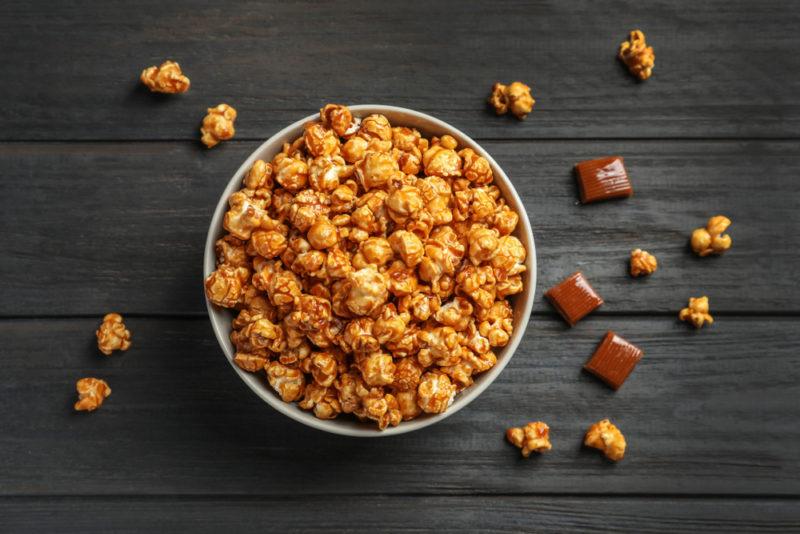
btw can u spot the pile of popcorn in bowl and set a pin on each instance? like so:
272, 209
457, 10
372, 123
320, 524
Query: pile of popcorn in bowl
371, 270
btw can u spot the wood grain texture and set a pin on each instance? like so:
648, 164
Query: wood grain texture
369, 513
91, 227
724, 68
710, 412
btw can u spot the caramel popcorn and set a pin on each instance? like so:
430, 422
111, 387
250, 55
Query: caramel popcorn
370, 268
711, 239
112, 334
218, 125
642, 263
533, 437
697, 313
91, 394
637, 56
605, 436
515, 97
168, 78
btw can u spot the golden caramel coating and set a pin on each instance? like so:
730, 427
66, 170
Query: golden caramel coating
712, 239
225, 286
515, 97
91, 394
642, 263
435, 392
604, 435
218, 125
167, 78
369, 266
339, 119
637, 56
112, 334
250, 362
697, 313
368, 291
533, 437
288, 382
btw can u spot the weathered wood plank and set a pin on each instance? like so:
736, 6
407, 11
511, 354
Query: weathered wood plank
90, 227
724, 68
400, 514
712, 412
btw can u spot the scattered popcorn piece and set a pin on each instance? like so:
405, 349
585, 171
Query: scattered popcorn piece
605, 436
168, 78
533, 437
91, 394
697, 313
711, 240
112, 334
218, 125
637, 56
642, 263
515, 97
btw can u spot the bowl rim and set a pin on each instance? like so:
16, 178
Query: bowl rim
465, 397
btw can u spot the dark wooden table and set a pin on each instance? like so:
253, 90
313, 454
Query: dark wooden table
106, 197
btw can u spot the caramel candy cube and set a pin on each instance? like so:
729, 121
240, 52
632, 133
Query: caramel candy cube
614, 360
602, 179
574, 298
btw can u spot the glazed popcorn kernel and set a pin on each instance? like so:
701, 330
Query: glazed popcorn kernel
91, 394
533, 437
712, 239
168, 78
697, 312
637, 56
605, 436
642, 263
369, 267
515, 97
112, 334
218, 125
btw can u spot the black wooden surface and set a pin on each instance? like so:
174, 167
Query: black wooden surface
106, 197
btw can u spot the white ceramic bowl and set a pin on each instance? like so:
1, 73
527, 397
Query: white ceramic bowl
522, 303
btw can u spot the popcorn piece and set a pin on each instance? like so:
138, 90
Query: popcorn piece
711, 240
339, 119
515, 97
225, 286
291, 173
533, 437
441, 161
322, 400
167, 78
375, 127
475, 168
249, 362
642, 263
637, 56
320, 141
288, 382
218, 125
112, 334
456, 314
484, 244
435, 392
268, 244
377, 369
322, 234
368, 291
497, 323
408, 246
91, 394
697, 313
606, 436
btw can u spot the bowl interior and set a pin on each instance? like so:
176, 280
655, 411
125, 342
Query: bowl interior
522, 303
